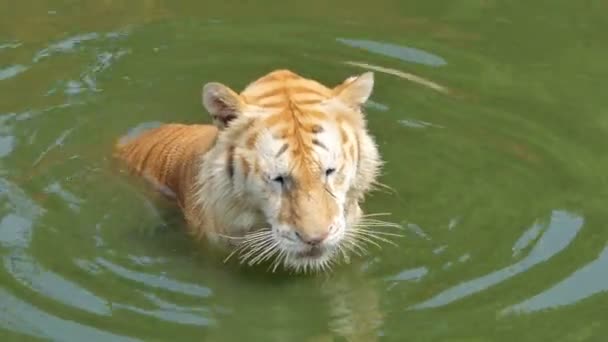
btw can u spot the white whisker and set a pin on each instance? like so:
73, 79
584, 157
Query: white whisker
272, 248
235, 251
359, 229
353, 245
261, 246
277, 260
368, 240
370, 235
341, 250
267, 255
231, 237
378, 223
375, 214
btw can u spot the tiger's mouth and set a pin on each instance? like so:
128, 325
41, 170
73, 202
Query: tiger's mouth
313, 259
266, 245
312, 252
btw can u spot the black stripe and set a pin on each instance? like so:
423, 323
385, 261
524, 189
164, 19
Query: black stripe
230, 162
320, 144
282, 150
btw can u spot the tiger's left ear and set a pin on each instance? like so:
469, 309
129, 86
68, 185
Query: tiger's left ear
355, 90
222, 103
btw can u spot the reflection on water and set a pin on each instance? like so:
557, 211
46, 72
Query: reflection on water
156, 281
15, 231
9, 45
404, 53
584, 283
58, 142
11, 71
414, 274
560, 231
413, 123
68, 197
402, 74
28, 272
16, 226
527, 238
17, 315
170, 312
65, 46
7, 144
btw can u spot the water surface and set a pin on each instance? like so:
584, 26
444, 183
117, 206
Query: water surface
492, 117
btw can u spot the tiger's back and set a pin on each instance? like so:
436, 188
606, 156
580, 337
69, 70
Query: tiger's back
167, 156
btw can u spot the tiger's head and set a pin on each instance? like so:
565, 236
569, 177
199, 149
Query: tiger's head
298, 154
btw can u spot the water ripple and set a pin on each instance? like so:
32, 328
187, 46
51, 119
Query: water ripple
17, 315
526, 239
59, 141
21, 204
15, 231
71, 43
12, 45
404, 53
414, 274
171, 312
561, 230
103, 61
30, 273
401, 74
585, 282
157, 281
11, 71
414, 123
68, 197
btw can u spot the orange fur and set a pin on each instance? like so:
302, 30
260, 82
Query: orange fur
167, 156
225, 177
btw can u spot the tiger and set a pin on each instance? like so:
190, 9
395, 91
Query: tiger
280, 175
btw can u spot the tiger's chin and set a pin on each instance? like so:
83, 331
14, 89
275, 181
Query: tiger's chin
311, 260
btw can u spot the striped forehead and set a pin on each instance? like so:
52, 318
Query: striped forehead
300, 122
306, 141
282, 88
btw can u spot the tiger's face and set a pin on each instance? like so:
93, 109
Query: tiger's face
299, 154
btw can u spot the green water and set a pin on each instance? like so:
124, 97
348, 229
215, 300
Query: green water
497, 159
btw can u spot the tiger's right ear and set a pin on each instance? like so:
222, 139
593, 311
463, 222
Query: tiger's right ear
355, 90
222, 103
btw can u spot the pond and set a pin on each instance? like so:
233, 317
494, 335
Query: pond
492, 118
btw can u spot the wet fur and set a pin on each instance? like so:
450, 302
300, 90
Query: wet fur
208, 168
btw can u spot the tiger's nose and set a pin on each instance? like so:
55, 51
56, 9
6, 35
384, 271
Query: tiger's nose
312, 239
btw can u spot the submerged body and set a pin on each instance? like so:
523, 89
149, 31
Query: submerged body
280, 175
